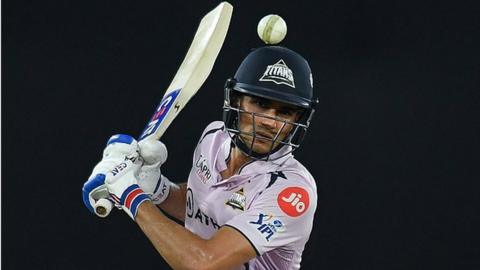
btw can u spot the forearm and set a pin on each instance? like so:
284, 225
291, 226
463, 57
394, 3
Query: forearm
172, 241
174, 205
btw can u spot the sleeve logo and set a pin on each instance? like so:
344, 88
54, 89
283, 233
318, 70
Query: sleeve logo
293, 201
268, 226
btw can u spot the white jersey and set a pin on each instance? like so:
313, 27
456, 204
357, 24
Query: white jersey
272, 203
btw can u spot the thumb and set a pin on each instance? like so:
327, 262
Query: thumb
153, 151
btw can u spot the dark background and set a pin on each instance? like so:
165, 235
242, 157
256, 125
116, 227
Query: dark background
393, 146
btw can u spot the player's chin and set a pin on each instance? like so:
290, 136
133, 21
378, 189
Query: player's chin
262, 146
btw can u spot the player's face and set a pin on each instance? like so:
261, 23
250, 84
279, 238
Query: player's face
271, 118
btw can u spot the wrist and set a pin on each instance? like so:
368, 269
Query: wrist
162, 190
131, 200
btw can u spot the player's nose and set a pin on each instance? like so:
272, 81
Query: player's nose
269, 121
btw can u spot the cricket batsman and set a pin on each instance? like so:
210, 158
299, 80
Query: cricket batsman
247, 203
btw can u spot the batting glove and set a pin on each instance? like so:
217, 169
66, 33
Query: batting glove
122, 184
156, 185
118, 147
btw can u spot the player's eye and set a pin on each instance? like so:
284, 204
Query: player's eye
262, 103
286, 112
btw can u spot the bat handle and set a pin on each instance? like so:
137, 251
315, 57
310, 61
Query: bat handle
103, 207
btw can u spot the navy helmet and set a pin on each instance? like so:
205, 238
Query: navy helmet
275, 73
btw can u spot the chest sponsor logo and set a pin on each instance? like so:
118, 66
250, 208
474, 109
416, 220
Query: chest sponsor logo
293, 201
193, 212
203, 172
279, 73
237, 200
268, 225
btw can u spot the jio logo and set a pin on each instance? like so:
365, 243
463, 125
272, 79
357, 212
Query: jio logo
293, 201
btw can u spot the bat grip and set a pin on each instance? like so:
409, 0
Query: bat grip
103, 207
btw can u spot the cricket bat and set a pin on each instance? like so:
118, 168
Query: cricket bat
194, 70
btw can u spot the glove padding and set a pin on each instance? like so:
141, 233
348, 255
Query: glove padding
122, 184
156, 185
152, 152
118, 147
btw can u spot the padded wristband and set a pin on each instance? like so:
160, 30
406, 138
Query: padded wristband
131, 199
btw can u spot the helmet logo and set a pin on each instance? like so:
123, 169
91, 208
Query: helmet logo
279, 73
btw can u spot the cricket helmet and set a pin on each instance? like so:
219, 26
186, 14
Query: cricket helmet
274, 73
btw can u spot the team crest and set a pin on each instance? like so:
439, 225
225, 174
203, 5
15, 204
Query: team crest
279, 73
237, 200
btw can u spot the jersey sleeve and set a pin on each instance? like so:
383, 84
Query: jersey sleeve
281, 216
211, 128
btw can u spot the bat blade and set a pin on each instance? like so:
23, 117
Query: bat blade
194, 70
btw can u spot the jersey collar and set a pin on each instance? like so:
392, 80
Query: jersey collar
251, 168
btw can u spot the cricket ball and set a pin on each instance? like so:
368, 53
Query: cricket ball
272, 29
